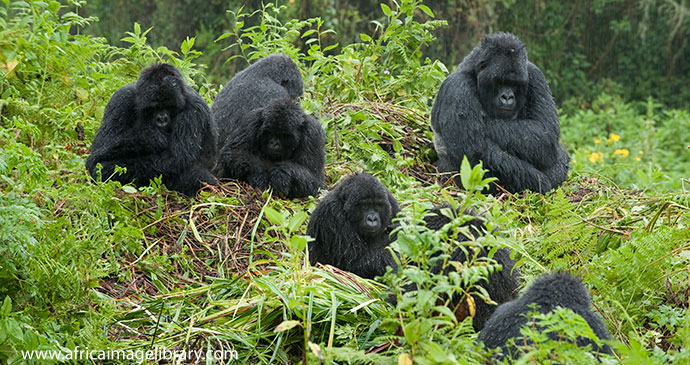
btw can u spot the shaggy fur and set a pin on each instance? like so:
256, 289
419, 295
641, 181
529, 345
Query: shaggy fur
548, 292
266, 138
358, 203
497, 108
351, 229
157, 126
278, 146
272, 77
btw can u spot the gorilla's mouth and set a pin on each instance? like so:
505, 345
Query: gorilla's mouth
505, 112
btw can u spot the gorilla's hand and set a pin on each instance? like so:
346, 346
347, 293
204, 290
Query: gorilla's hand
281, 179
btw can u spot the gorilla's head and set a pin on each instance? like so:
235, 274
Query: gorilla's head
500, 66
160, 95
367, 204
280, 132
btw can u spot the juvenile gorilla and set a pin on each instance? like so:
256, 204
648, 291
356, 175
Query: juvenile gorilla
548, 292
278, 146
351, 228
498, 109
156, 126
266, 138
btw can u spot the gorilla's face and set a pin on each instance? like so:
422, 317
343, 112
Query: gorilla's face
277, 145
502, 79
367, 205
371, 217
160, 96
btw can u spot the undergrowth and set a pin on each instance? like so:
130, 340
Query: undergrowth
105, 266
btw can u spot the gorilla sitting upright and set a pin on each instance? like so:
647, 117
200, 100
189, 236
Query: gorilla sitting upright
157, 126
351, 228
547, 292
497, 108
266, 138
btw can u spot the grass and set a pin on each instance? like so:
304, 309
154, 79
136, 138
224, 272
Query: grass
105, 266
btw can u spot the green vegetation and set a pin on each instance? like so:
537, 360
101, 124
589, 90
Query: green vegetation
105, 266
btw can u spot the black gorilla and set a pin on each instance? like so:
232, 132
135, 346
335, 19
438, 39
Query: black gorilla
278, 146
272, 77
548, 292
267, 139
156, 126
498, 109
351, 229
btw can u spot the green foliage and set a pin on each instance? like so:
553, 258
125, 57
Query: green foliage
634, 144
101, 265
538, 345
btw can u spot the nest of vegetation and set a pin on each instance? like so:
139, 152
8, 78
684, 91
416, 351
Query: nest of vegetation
412, 126
201, 239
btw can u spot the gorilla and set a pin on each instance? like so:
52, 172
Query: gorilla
548, 292
266, 138
351, 228
497, 109
156, 126
278, 146
272, 77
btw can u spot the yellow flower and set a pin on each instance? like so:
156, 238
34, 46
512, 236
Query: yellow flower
596, 156
622, 152
641, 152
614, 138
597, 140
637, 158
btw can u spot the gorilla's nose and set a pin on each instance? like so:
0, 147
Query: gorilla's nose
162, 119
373, 220
507, 98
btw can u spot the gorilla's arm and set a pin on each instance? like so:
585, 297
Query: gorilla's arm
302, 175
372, 262
239, 158
193, 139
123, 142
533, 135
460, 129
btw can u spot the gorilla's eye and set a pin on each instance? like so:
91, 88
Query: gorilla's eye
482, 65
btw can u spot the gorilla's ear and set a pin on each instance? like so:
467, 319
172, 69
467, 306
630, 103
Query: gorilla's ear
395, 208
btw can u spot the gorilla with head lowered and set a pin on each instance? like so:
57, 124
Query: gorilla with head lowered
497, 108
157, 126
547, 292
351, 228
266, 138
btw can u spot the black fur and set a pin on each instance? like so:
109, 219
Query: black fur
497, 108
272, 77
338, 223
268, 140
548, 292
278, 146
336, 226
156, 126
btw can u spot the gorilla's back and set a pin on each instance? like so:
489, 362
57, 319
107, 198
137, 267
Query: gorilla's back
272, 77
